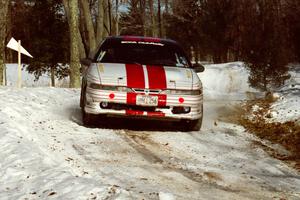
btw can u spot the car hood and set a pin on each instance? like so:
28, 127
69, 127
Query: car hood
143, 76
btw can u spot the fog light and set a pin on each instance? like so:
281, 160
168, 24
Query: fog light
103, 105
181, 110
186, 109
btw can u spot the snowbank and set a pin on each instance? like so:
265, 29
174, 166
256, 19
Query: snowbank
226, 81
229, 81
28, 79
287, 106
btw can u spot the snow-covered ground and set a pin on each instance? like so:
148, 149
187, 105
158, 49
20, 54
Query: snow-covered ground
46, 153
28, 80
287, 107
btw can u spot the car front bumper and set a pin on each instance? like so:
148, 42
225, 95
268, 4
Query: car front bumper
126, 106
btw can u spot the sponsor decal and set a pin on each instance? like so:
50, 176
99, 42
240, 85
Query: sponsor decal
134, 112
128, 42
150, 114
101, 67
155, 114
188, 74
141, 42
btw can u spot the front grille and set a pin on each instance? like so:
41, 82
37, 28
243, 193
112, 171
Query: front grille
119, 106
147, 91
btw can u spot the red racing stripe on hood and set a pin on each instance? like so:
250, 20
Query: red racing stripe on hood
157, 77
135, 76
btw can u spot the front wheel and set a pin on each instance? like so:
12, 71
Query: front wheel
88, 119
192, 125
196, 125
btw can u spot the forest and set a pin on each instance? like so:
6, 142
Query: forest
262, 33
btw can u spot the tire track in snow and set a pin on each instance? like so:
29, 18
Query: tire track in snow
140, 141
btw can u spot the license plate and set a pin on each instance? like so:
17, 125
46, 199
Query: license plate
145, 100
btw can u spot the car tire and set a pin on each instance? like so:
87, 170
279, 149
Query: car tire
87, 119
195, 125
82, 94
192, 125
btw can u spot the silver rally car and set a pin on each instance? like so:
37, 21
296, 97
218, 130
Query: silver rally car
141, 77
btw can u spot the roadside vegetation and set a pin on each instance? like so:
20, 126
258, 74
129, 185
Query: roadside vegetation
262, 33
286, 133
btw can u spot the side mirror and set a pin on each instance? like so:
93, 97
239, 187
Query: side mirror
198, 68
86, 61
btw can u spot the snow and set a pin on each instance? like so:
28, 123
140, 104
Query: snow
46, 153
229, 81
28, 79
286, 108
287, 105
166, 196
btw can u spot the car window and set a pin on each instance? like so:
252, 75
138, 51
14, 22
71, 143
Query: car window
143, 54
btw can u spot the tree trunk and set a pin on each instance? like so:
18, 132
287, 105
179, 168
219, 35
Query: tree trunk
3, 22
89, 25
9, 52
75, 57
106, 20
159, 18
100, 21
153, 20
52, 73
143, 16
167, 6
80, 43
117, 18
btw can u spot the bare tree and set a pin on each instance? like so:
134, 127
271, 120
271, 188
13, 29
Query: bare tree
80, 43
3, 22
153, 19
100, 21
89, 24
159, 18
106, 23
117, 18
74, 57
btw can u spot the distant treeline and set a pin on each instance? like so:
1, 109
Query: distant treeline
262, 33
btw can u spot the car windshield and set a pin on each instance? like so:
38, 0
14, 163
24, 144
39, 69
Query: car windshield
145, 54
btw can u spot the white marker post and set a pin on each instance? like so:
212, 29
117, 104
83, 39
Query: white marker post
14, 45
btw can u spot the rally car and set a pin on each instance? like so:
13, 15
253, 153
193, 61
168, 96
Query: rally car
141, 77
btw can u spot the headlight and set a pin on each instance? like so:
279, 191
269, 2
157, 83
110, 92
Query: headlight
111, 88
182, 92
